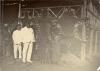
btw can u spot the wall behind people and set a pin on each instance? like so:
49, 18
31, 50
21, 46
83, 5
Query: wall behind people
67, 22
0, 29
9, 17
10, 13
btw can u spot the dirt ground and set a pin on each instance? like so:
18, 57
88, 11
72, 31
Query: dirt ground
71, 64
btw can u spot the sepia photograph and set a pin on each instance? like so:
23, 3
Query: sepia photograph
49, 35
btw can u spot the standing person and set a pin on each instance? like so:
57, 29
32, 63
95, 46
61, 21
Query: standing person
17, 39
28, 39
56, 33
6, 40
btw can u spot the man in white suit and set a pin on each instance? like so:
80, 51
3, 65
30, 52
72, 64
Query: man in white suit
28, 39
17, 39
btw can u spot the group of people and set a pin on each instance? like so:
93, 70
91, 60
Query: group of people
50, 41
23, 38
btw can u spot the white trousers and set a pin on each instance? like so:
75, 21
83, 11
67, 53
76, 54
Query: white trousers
27, 51
17, 51
98, 69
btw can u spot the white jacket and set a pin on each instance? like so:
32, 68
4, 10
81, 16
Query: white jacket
17, 37
27, 35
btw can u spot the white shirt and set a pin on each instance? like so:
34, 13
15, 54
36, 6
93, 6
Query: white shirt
17, 37
27, 35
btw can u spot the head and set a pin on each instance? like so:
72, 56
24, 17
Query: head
28, 25
31, 24
20, 22
19, 27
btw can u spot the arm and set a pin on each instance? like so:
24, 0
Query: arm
32, 35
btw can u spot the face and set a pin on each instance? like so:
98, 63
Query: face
28, 26
18, 27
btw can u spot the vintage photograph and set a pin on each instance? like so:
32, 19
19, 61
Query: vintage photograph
49, 35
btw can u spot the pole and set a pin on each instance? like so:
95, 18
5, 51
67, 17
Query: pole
91, 42
96, 43
19, 13
92, 23
83, 44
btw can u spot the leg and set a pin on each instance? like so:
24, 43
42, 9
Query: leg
25, 47
15, 50
29, 53
20, 51
98, 69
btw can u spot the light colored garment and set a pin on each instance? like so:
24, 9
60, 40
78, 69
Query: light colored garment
27, 51
27, 39
98, 69
17, 48
17, 39
28, 35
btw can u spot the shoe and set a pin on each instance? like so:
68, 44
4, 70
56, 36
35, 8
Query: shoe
20, 58
15, 58
29, 61
24, 61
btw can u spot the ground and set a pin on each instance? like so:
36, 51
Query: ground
71, 64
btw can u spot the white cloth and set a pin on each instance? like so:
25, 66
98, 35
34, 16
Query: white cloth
17, 36
27, 51
28, 35
17, 48
17, 39
98, 69
27, 39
